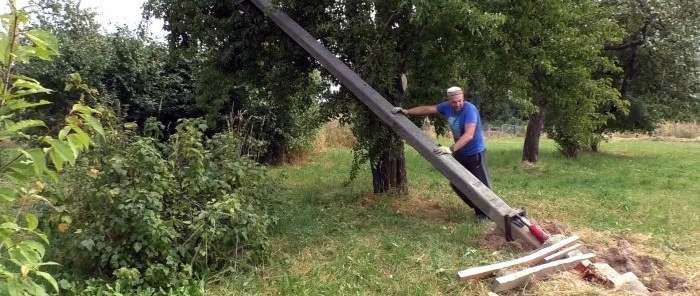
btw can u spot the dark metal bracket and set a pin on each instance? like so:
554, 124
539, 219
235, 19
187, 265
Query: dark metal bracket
513, 217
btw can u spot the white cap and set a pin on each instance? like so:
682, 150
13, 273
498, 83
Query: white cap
455, 90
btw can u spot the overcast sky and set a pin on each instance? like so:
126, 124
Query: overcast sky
115, 13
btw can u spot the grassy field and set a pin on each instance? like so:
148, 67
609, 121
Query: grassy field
636, 203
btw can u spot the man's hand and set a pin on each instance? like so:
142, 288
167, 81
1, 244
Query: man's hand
399, 110
442, 150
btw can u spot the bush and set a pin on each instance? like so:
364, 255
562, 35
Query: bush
170, 212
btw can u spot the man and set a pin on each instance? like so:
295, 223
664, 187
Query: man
469, 148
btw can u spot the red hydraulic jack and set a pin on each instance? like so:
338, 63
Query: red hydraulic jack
519, 219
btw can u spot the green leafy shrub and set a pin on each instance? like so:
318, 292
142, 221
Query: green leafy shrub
28, 156
173, 211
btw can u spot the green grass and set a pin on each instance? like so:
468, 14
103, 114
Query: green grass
340, 239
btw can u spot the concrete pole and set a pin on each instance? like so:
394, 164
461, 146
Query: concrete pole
477, 192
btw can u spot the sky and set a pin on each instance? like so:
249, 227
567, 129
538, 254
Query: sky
112, 14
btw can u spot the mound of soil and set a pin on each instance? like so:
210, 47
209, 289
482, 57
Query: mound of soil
621, 255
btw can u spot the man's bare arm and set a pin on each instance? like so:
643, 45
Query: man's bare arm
468, 135
422, 110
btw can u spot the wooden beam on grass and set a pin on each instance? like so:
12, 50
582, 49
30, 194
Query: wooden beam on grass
524, 276
534, 258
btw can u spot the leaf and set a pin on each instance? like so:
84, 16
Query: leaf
88, 244
83, 137
32, 221
56, 159
9, 226
137, 246
22, 104
38, 158
64, 132
45, 43
24, 86
75, 143
131, 125
27, 252
63, 150
49, 278
80, 108
24, 124
94, 123
7, 194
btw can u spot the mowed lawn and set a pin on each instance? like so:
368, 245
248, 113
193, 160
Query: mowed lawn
637, 199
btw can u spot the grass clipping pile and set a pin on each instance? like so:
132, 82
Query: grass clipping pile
617, 251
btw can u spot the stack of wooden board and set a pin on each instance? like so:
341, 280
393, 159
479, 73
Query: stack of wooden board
560, 256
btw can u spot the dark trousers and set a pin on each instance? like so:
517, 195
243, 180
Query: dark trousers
475, 164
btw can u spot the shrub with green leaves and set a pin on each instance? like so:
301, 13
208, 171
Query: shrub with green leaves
173, 212
29, 157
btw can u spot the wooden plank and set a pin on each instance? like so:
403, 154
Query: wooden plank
478, 193
524, 276
562, 253
534, 258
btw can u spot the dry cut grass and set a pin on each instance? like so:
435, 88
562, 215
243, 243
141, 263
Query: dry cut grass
688, 130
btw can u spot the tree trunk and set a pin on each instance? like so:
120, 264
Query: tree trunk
531, 148
630, 73
389, 173
595, 141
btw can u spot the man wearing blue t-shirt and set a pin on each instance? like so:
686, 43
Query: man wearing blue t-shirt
469, 148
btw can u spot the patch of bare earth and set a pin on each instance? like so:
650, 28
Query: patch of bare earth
495, 240
657, 275
624, 253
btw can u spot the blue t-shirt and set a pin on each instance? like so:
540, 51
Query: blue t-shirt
457, 121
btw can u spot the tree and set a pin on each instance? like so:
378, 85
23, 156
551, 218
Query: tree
141, 79
550, 52
132, 73
244, 65
660, 60
391, 44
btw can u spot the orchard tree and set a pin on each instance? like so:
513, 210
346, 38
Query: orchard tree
550, 54
141, 80
410, 52
246, 67
661, 61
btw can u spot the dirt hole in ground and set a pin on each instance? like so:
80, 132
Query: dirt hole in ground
619, 252
653, 272
495, 240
